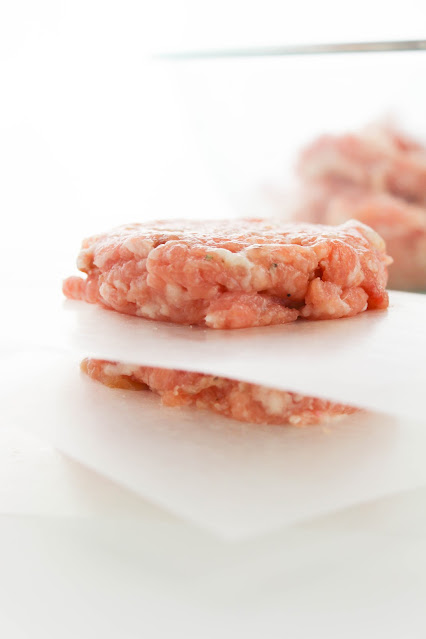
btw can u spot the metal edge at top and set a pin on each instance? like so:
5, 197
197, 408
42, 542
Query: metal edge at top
298, 49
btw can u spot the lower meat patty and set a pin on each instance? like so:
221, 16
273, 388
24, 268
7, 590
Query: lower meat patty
242, 401
234, 274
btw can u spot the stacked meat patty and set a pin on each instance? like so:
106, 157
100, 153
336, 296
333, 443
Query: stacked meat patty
226, 275
235, 274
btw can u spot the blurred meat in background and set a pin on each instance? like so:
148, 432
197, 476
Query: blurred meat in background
377, 176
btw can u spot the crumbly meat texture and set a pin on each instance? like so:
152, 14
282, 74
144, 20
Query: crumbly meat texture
379, 178
379, 159
234, 274
241, 401
402, 226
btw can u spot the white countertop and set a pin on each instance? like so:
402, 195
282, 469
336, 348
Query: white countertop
82, 557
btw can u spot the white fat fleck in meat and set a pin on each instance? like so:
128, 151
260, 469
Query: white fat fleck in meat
335, 305
175, 294
120, 369
102, 257
372, 266
138, 247
273, 401
148, 310
84, 260
237, 260
164, 309
355, 277
106, 290
119, 285
215, 320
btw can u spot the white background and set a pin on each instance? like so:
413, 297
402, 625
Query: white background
93, 133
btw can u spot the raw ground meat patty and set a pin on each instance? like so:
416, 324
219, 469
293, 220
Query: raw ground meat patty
234, 274
379, 178
239, 400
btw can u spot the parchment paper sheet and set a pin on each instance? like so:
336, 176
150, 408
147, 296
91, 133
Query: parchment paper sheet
234, 479
376, 360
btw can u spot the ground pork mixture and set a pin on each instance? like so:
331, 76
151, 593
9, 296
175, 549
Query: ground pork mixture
234, 274
245, 402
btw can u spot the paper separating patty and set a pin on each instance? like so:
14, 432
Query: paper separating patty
374, 361
236, 480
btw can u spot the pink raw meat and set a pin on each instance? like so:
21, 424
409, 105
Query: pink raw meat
234, 274
402, 225
379, 159
379, 178
239, 400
